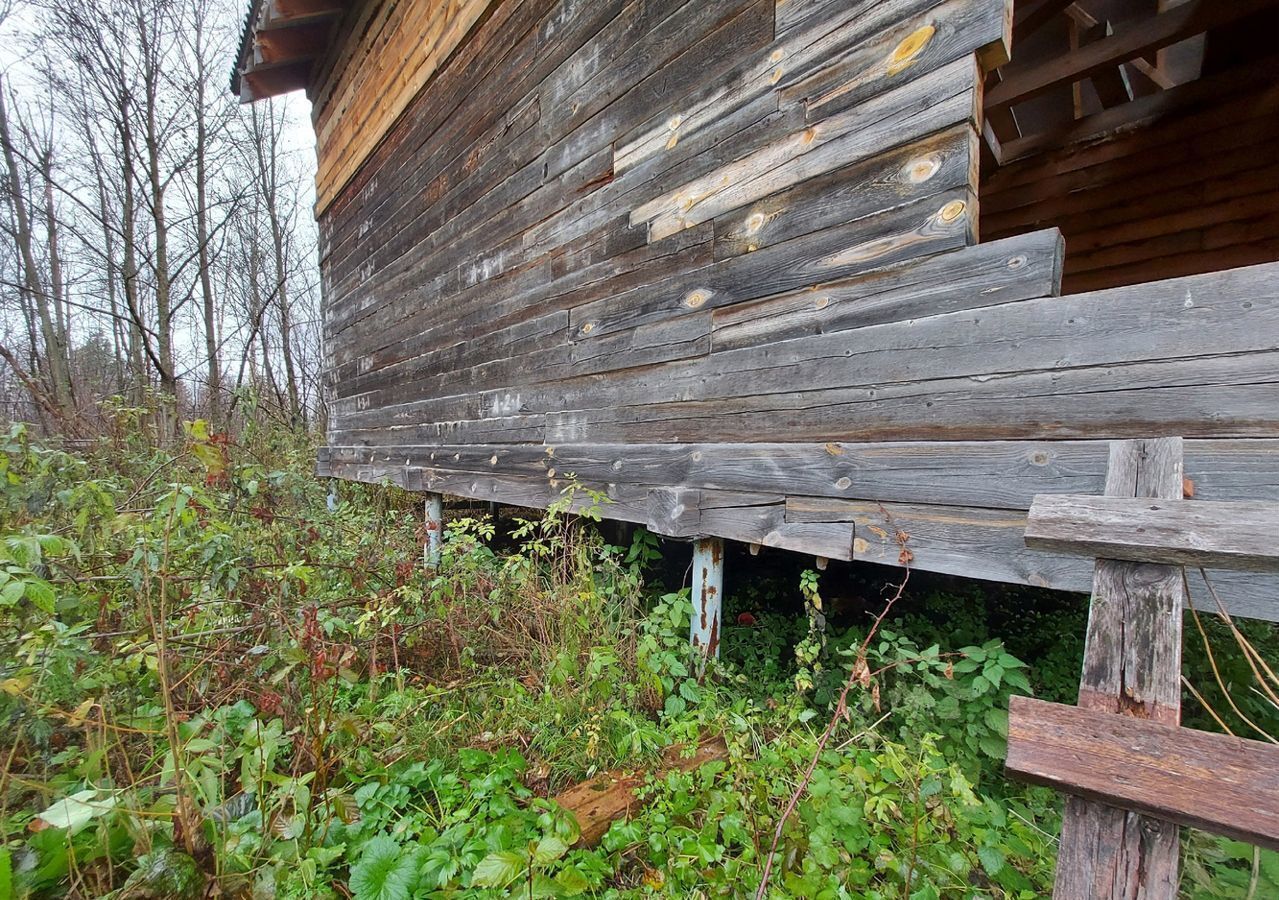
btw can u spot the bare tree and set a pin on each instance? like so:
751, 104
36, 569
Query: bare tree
159, 241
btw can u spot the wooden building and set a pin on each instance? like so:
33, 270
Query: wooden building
800, 273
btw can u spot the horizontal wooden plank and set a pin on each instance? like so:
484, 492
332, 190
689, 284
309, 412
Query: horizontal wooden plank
1229, 535
766, 73
988, 544
1227, 396
932, 225
963, 538
1214, 782
996, 474
746, 517
909, 48
945, 97
1179, 320
1018, 268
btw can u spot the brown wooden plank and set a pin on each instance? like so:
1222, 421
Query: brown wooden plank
1214, 782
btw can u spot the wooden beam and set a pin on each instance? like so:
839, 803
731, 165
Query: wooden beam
296, 9
1030, 17
1132, 667
1215, 782
1111, 85
271, 81
278, 45
1145, 110
280, 11
600, 801
1132, 40
1239, 535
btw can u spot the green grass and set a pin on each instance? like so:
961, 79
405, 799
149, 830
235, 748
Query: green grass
207, 677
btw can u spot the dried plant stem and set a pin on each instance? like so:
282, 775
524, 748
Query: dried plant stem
857, 675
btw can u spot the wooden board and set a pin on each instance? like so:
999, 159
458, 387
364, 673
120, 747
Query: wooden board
394, 55
1214, 782
1240, 535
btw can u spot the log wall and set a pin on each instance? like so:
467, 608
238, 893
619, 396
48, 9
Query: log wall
717, 261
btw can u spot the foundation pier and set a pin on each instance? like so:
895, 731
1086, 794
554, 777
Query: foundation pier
434, 529
708, 589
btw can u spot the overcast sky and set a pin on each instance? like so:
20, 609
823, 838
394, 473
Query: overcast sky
15, 40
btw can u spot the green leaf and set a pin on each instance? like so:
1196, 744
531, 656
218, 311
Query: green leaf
499, 869
1269, 867
12, 592
993, 746
689, 690
569, 879
41, 594
6, 875
384, 872
991, 860
549, 849
997, 721
76, 811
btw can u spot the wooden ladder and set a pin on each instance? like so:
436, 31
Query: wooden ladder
1131, 773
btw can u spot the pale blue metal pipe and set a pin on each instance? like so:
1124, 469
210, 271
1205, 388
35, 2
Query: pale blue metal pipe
708, 589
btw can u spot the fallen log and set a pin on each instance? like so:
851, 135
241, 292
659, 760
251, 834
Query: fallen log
600, 801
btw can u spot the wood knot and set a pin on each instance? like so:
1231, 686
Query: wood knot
920, 170
952, 211
696, 299
905, 53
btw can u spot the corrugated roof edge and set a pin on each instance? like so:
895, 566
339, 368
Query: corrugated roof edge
246, 42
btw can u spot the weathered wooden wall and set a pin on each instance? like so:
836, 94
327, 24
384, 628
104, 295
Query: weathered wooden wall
1196, 191
718, 259
390, 50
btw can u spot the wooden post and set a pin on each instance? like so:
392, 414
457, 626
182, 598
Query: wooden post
708, 584
434, 529
1132, 667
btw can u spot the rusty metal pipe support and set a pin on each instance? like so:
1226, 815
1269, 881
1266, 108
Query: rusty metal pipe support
708, 589
434, 529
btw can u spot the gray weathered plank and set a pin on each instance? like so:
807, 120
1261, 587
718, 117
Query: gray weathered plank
939, 99
1018, 268
1229, 535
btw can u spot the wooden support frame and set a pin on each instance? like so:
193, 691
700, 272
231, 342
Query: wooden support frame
1133, 775
1127, 42
1132, 667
